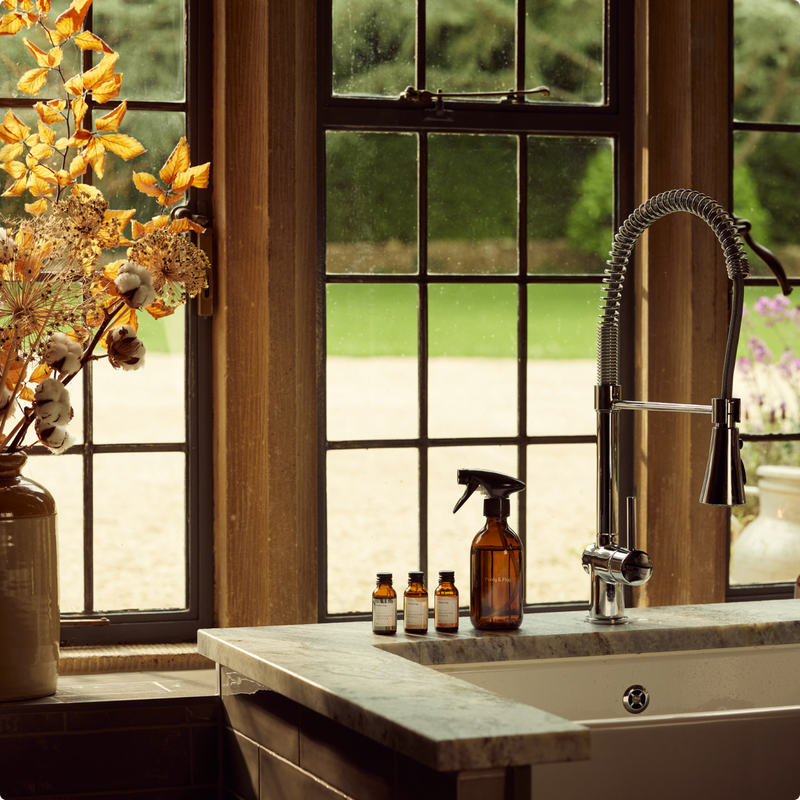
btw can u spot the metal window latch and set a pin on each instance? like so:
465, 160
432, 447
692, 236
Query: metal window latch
425, 98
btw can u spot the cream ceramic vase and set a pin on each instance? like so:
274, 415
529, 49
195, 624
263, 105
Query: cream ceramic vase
768, 549
29, 616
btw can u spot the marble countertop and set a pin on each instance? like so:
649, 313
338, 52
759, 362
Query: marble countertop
381, 686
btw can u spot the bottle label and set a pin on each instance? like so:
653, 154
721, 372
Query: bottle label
416, 613
384, 613
446, 610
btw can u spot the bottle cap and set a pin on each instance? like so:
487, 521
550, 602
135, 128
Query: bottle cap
384, 577
447, 575
415, 577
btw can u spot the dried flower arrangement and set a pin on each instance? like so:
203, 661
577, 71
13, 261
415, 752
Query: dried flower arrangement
58, 302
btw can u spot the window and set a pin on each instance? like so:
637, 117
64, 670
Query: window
766, 171
133, 493
464, 245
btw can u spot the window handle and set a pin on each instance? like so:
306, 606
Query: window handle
424, 97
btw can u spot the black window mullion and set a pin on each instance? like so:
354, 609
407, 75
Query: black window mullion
422, 339
522, 331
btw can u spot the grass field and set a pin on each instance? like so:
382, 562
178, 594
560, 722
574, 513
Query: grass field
464, 320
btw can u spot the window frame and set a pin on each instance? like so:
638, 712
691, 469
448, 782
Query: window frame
90, 627
613, 119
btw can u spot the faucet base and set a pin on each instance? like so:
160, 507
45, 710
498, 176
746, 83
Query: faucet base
607, 620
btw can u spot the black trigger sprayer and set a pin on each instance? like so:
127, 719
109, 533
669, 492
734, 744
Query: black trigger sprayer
496, 555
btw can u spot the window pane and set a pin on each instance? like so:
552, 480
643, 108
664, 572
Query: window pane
560, 477
562, 338
63, 477
373, 46
767, 379
373, 523
472, 368
766, 61
451, 534
147, 404
150, 41
372, 365
570, 204
140, 531
472, 201
371, 216
470, 46
765, 180
563, 55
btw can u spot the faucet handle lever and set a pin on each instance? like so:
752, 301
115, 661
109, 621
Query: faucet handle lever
630, 539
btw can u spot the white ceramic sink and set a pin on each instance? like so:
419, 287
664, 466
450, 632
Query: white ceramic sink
719, 723
685, 682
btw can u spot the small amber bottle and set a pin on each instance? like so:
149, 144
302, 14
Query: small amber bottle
445, 603
384, 606
415, 605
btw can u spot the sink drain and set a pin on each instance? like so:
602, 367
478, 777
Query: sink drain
636, 699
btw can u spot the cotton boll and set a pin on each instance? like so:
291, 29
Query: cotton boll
5, 398
135, 285
62, 353
125, 350
54, 437
51, 402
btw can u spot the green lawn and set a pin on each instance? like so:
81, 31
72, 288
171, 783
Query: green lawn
464, 320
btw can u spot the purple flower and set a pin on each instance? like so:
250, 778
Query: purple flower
761, 353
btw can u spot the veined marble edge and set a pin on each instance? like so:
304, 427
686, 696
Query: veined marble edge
659, 629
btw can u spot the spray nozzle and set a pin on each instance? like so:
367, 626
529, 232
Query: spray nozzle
495, 486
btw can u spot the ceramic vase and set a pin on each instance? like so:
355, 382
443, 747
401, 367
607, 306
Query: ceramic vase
29, 615
768, 549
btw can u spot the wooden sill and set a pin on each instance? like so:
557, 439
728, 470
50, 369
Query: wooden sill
130, 658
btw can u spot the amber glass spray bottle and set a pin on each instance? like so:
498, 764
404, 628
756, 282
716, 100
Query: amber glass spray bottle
496, 556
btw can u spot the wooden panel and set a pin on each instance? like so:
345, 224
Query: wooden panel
264, 334
681, 287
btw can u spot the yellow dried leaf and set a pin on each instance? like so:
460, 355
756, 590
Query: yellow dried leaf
64, 178
75, 85
37, 208
79, 109
10, 24
14, 168
169, 199
112, 120
86, 188
32, 140
182, 182
78, 166
122, 145
123, 217
47, 135
79, 139
200, 175
88, 41
37, 186
27, 395
177, 162
45, 173
16, 188
146, 183
33, 80
96, 156
41, 57
9, 4
42, 371
41, 151
47, 114
9, 152
108, 90
12, 129
161, 221
69, 23
185, 225
102, 72
138, 230
159, 309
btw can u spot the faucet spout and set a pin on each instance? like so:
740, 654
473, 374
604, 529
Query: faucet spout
724, 480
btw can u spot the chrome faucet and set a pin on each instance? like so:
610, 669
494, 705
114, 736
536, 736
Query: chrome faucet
611, 566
